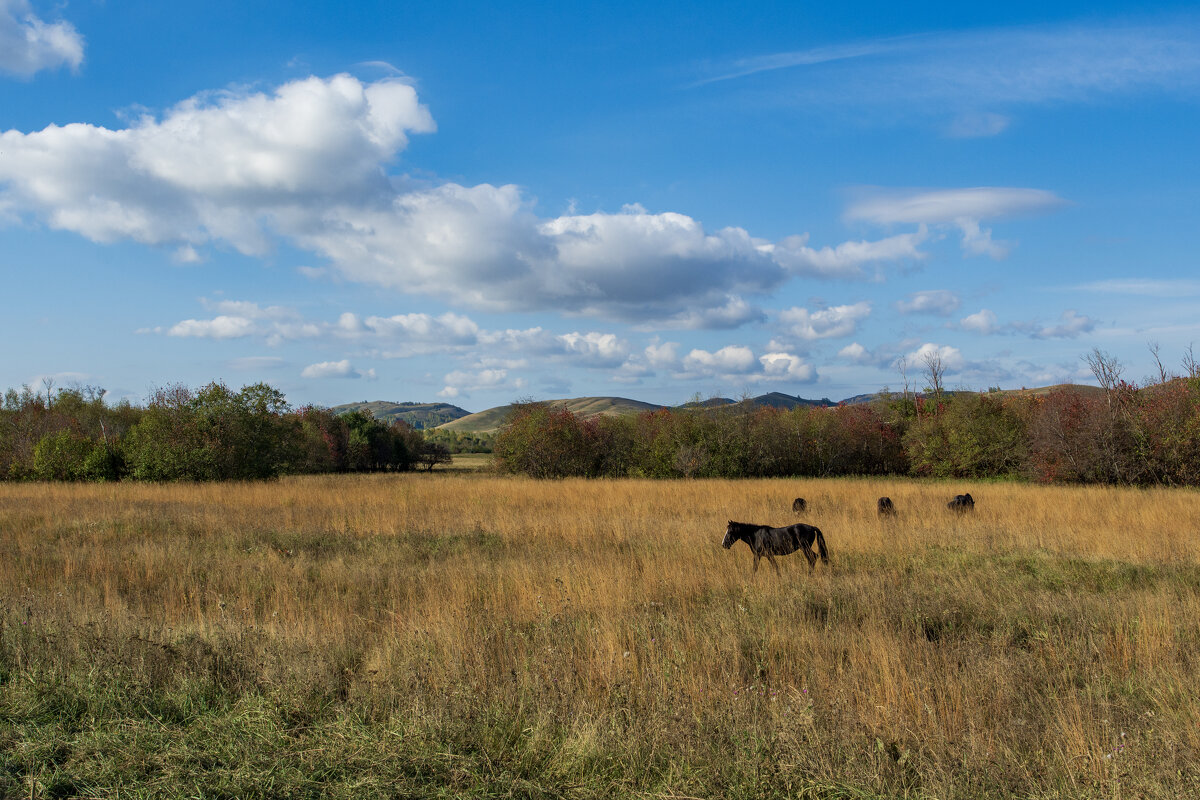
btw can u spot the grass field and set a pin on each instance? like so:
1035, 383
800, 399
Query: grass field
469, 462
461, 634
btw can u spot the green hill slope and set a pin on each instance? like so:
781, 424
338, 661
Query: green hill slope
493, 418
490, 420
786, 401
419, 415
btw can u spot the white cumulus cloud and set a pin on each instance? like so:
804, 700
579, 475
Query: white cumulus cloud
225, 166
335, 369
595, 349
307, 163
1069, 326
729, 360
223, 326
29, 44
855, 352
827, 323
460, 382
982, 321
788, 366
661, 355
846, 259
952, 357
735, 313
941, 302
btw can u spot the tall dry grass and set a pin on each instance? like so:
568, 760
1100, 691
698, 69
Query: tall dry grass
596, 632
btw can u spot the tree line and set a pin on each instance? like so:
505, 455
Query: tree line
1121, 434
210, 433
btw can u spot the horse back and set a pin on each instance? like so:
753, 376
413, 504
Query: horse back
785, 541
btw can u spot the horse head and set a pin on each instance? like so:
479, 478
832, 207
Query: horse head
730, 537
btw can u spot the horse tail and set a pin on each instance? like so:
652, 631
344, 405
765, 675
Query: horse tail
821, 546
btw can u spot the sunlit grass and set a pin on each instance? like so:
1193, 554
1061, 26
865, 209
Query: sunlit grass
592, 638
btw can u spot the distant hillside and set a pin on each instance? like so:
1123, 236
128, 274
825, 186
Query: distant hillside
1078, 387
493, 418
712, 402
786, 401
419, 415
490, 420
864, 398
1039, 390
772, 399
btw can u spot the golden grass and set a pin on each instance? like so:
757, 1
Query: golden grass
1049, 642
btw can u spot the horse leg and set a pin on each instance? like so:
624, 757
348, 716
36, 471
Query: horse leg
774, 563
811, 556
756, 558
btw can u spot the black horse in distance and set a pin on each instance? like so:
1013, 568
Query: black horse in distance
770, 542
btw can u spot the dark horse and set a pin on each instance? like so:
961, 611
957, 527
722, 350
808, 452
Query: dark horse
886, 507
962, 503
770, 542
799, 506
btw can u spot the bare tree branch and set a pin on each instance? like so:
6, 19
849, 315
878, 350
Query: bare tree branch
902, 366
934, 372
1105, 367
1189, 362
1162, 371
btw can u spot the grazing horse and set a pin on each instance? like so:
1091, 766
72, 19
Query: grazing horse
770, 542
799, 506
886, 507
962, 503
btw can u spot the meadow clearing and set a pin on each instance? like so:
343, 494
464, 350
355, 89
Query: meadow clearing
462, 634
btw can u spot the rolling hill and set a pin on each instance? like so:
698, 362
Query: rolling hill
1082, 388
1035, 391
493, 418
419, 415
453, 418
786, 401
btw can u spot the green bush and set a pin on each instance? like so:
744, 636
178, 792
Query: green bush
972, 436
61, 456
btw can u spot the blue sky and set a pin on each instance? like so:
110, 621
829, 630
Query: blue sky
479, 202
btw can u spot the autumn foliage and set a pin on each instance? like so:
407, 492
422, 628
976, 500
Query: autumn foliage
1124, 436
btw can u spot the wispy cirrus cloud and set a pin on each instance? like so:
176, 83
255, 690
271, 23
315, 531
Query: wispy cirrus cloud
257, 363
977, 125
942, 206
740, 68
1144, 287
1063, 62
961, 208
